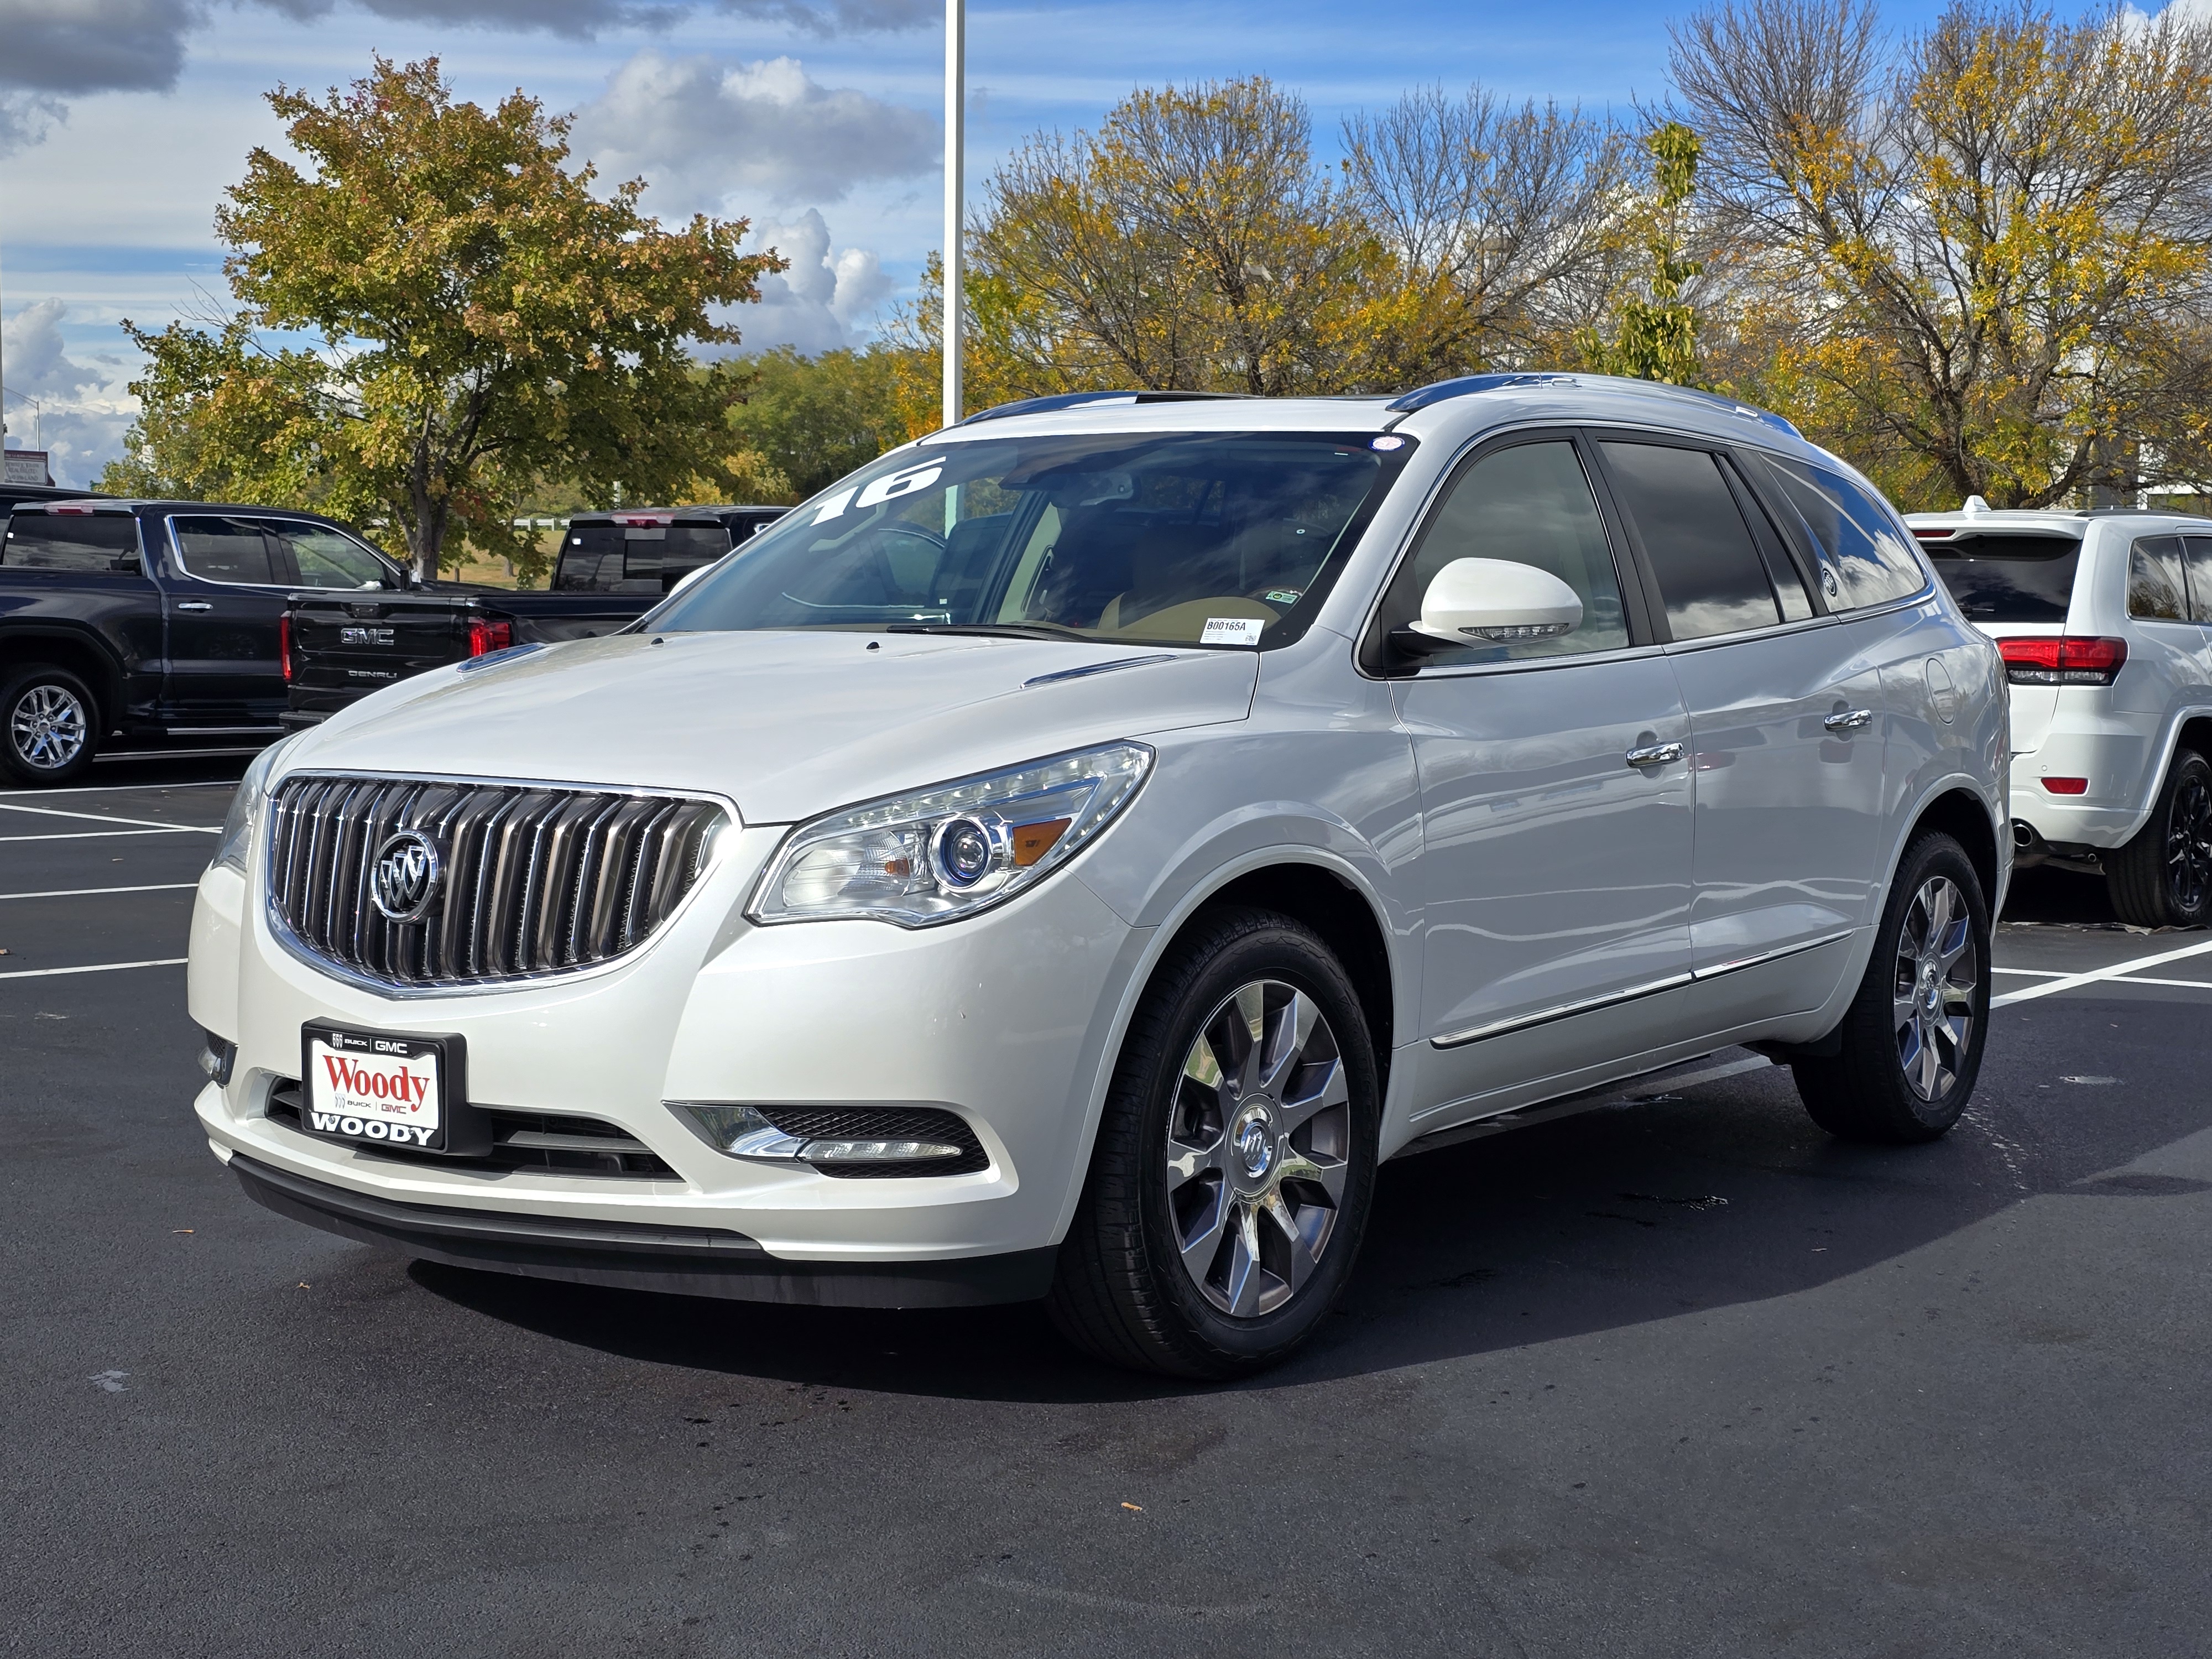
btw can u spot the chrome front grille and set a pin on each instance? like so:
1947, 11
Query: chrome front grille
531, 881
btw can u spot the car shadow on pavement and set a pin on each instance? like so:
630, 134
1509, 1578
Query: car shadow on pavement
1623, 1216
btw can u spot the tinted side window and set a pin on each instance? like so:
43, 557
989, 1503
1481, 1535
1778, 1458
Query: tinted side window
1870, 560
1527, 505
227, 550
1711, 579
104, 542
2157, 591
2199, 548
324, 558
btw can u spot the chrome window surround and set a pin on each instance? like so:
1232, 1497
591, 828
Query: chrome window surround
176, 552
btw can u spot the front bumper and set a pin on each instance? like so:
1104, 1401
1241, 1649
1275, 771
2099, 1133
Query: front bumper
640, 1256
1007, 1018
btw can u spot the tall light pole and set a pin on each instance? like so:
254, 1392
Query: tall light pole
956, 117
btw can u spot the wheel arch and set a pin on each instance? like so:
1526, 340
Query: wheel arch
63, 647
1962, 813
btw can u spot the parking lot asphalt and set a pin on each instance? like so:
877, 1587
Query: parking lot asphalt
1679, 1376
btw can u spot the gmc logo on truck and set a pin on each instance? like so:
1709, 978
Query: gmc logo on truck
364, 636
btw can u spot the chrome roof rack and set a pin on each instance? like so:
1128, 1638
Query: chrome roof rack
1468, 384
1088, 399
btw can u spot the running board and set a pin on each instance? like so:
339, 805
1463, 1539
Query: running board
1621, 1091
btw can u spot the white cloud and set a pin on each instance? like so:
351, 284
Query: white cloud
583, 19
823, 301
713, 134
81, 408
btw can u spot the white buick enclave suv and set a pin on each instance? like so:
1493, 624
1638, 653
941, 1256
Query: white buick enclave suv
2105, 622
1064, 858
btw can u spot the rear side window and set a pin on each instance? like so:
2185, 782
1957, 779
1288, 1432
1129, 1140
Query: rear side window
104, 542
2197, 550
223, 549
1864, 559
2009, 579
324, 558
1711, 577
2157, 591
650, 558
1527, 505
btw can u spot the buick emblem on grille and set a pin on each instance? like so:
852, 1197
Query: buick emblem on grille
405, 877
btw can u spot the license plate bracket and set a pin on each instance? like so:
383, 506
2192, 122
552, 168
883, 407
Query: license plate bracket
389, 1090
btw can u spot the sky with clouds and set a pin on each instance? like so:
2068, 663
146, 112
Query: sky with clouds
122, 121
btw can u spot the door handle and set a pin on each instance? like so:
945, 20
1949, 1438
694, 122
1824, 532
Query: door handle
194, 604
1849, 719
1655, 754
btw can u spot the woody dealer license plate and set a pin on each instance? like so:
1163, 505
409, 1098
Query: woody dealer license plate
367, 1087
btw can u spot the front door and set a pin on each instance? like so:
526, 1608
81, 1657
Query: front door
1786, 722
1554, 874
228, 586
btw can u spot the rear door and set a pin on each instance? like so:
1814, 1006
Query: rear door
1785, 724
82, 570
228, 586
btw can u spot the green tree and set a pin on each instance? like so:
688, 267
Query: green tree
456, 315
1654, 329
809, 420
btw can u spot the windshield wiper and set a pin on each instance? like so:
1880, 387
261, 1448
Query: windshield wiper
1035, 630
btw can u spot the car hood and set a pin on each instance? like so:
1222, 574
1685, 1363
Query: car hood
787, 725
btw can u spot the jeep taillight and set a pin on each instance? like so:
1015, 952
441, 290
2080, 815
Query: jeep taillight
490, 634
284, 645
2062, 659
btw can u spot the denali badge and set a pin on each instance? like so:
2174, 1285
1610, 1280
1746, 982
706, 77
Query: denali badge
405, 879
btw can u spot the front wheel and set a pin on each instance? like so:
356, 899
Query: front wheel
2163, 877
1235, 1163
1912, 1044
49, 726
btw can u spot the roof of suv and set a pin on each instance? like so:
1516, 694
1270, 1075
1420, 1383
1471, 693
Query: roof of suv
2070, 523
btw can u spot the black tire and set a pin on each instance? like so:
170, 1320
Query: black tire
1122, 1292
2163, 877
50, 725
1898, 1078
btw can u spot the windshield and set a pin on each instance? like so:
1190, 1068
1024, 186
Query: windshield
2009, 579
1212, 538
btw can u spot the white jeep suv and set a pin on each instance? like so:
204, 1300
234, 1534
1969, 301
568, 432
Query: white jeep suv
2104, 620
1065, 857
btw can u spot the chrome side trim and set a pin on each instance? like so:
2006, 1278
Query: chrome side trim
1591, 1005
1742, 962
1564, 1011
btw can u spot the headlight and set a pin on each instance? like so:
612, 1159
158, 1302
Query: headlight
950, 851
233, 847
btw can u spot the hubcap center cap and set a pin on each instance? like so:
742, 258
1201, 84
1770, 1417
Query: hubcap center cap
1255, 1142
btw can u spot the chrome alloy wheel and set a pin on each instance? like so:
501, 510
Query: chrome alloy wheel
47, 727
1258, 1138
1938, 972
2189, 844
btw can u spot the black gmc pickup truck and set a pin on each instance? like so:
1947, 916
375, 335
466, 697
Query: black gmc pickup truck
613, 567
155, 622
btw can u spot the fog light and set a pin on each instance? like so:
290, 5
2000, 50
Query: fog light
217, 1058
741, 1131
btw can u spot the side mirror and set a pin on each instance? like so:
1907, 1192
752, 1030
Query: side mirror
1495, 602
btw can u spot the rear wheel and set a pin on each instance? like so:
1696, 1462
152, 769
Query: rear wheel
1912, 1044
49, 724
1234, 1164
2163, 877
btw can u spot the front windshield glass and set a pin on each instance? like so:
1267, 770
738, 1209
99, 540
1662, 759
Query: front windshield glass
1211, 538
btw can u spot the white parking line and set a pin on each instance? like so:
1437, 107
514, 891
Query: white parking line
2099, 976
106, 835
2178, 984
2033, 972
96, 967
104, 817
124, 788
88, 892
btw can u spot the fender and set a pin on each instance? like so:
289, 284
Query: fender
1163, 933
2154, 777
109, 673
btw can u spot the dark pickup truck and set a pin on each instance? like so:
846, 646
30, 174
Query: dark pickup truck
613, 567
153, 621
